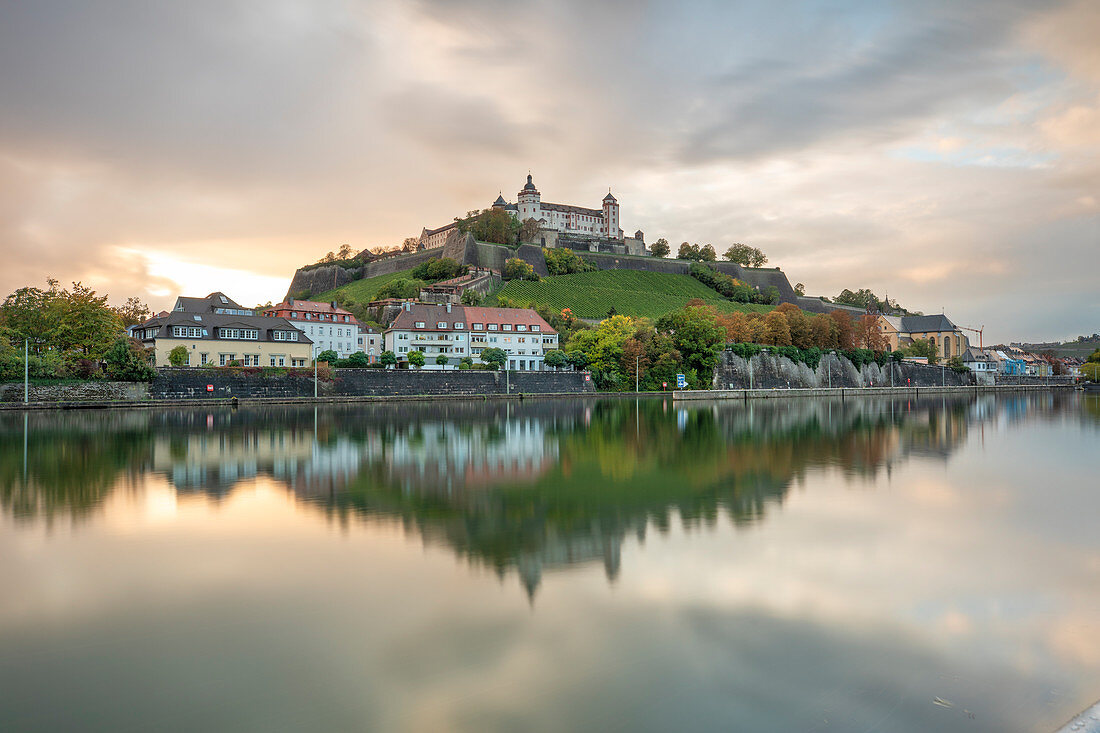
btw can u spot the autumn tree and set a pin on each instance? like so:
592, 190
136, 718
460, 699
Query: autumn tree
133, 312
411, 244
868, 334
801, 335
844, 331
777, 331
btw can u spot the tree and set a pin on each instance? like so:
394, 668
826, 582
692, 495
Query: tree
436, 269
801, 335
471, 297
1090, 370
388, 359
358, 360
494, 357
660, 248
528, 230
133, 312
517, 269
1094, 357
416, 358
328, 355
862, 298
411, 244
799, 289
923, 348
466, 363
707, 253
564, 261
688, 252
844, 333
777, 331
491, 225
178, 356
577, 359
868, 335
746, 256
696, 335
127, 361
554, 358
442, 360
344, 253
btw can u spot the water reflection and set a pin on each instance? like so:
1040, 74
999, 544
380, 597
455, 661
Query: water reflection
518, 487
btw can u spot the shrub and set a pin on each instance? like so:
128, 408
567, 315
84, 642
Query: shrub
358, 360
495, 358
416, 359
177, 357
388, 358
517, 269
128, 361
401, 288
466, 363
563, 261
329, 356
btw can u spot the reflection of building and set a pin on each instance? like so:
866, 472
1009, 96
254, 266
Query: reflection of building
444, 456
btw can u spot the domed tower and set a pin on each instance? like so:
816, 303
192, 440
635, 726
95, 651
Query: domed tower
530, 201
500, 203
611, 216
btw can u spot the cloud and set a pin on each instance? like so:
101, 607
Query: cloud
855, 143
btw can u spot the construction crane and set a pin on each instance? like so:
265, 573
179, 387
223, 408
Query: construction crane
978, 331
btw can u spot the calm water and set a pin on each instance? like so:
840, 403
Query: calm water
872, 565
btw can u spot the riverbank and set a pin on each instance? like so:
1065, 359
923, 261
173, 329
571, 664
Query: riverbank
677, 395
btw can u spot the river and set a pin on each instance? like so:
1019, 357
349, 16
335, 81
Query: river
870, 564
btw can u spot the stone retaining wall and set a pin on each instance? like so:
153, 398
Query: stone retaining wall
82, 392
193, 383
771, 372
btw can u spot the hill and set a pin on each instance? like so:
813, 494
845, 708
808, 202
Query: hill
630, 292
363, 291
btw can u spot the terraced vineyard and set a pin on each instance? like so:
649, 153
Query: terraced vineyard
629, 292
363, 291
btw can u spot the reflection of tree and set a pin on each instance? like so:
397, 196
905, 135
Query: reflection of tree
72, 464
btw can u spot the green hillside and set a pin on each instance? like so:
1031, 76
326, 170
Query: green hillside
629, 292
363, 291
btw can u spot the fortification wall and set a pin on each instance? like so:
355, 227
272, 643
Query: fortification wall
192, 384
321, 279
83, 391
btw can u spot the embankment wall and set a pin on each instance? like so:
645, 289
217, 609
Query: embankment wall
768, 371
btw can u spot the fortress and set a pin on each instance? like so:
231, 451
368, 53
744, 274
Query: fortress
560, 225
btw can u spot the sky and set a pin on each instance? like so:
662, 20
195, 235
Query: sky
944, 152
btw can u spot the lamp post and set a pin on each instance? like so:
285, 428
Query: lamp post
26, 371
637, 357
314, 376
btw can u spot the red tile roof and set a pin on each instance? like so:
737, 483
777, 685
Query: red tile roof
432, 315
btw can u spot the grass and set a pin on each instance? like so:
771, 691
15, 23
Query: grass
363, 291
629, 292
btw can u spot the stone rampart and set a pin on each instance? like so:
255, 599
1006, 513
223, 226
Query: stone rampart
1025, 381
768, 371
79, 392
194, 383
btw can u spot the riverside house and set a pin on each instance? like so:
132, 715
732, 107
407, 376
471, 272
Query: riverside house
465, 331
329, 327
219, 331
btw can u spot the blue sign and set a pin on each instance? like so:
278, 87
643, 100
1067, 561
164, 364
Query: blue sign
681, 381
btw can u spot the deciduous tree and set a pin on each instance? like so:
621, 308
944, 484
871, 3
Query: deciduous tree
660, 248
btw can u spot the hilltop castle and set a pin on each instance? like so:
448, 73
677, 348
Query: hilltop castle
566, 225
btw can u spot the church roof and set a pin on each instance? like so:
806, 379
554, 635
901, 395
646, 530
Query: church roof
926, 324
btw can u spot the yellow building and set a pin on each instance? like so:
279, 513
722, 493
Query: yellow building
216, 330
900, 331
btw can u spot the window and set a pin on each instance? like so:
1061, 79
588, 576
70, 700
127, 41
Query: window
224, 359
278, 360
521, 328
534, 328
204, 358
493, 327
460, 324
507, 326
479, 326
441, 324
293, 314
284, 336
419, 324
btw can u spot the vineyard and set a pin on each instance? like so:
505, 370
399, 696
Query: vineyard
363, 291
629, 292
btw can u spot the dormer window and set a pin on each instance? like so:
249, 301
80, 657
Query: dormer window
223, 299
507, 326
521, 328
534, 328
419, 324
441, 324
493, 327
479, 326
460, 324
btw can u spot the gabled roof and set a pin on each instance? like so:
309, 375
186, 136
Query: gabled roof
500, 201
212, 321
431, 315
609, 197
515, 316
926, 324
217, 299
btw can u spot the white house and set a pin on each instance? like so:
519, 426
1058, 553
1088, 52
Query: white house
330, 327
465, 331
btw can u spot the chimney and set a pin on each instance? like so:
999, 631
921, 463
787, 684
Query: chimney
334, 305
408, 306
448, 306
290, 302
